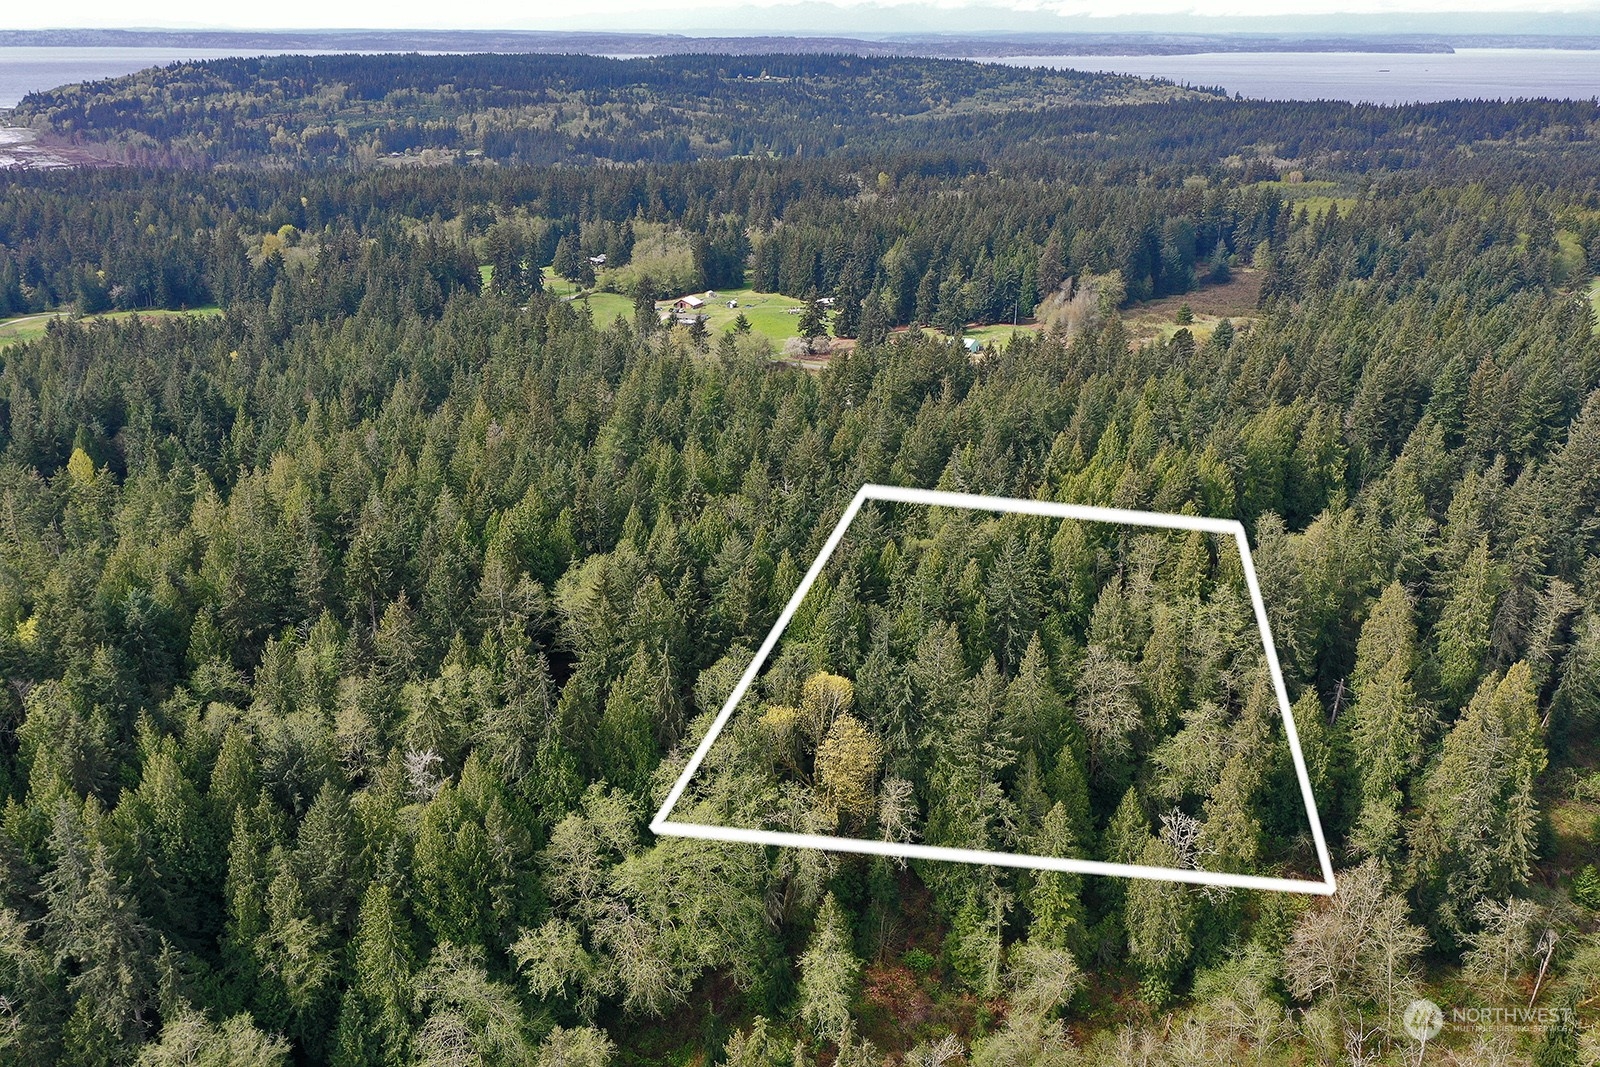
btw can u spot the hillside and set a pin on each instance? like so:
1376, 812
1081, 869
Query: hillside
541, 109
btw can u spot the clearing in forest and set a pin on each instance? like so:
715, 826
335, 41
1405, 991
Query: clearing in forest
1019, 683
29, 327
1236, 300
772, 315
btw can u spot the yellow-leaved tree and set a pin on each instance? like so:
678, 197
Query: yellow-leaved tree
847, 769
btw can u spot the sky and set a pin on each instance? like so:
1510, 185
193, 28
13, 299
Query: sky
752, 16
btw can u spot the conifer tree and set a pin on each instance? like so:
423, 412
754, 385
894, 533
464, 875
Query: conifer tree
31, 986
1476, 832
829, 974
874, 328
297, 963
244, 891
1055, 897
167, 819
1462, 634
235, 777
629, 723
104, 946
971, 753
568, 261
1014, 601
1160, 920
325, 855
1033, 713
375, 1017
814, 319
1388, 724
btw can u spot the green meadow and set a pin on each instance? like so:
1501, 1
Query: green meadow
773, 315
28, 327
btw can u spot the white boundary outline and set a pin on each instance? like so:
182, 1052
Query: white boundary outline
1048, 509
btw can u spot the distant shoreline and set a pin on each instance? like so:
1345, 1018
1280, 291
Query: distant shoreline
947, 46
22, 148
1357, 77
1360, 77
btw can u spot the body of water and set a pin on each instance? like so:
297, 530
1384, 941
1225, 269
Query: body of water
1364, 77
29, 70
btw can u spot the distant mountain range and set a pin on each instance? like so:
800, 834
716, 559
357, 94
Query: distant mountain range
783, 32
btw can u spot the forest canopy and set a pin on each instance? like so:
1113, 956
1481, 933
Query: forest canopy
1014, 684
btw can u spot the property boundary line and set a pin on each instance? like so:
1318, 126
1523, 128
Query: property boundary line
661, 825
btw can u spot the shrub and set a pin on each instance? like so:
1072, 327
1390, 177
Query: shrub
919, 960
1586, 887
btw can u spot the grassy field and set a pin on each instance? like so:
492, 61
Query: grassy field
28, 327
772, 315
1314, 196
606, 307
553, 283
999, 334
1571, 264
777, 317
1210, 304
1594, 302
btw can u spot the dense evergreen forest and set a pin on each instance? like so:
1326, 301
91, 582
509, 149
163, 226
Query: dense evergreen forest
310, 111
546, 109
351, 636
869, 701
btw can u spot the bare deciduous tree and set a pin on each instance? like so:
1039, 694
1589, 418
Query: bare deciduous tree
1358, 950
